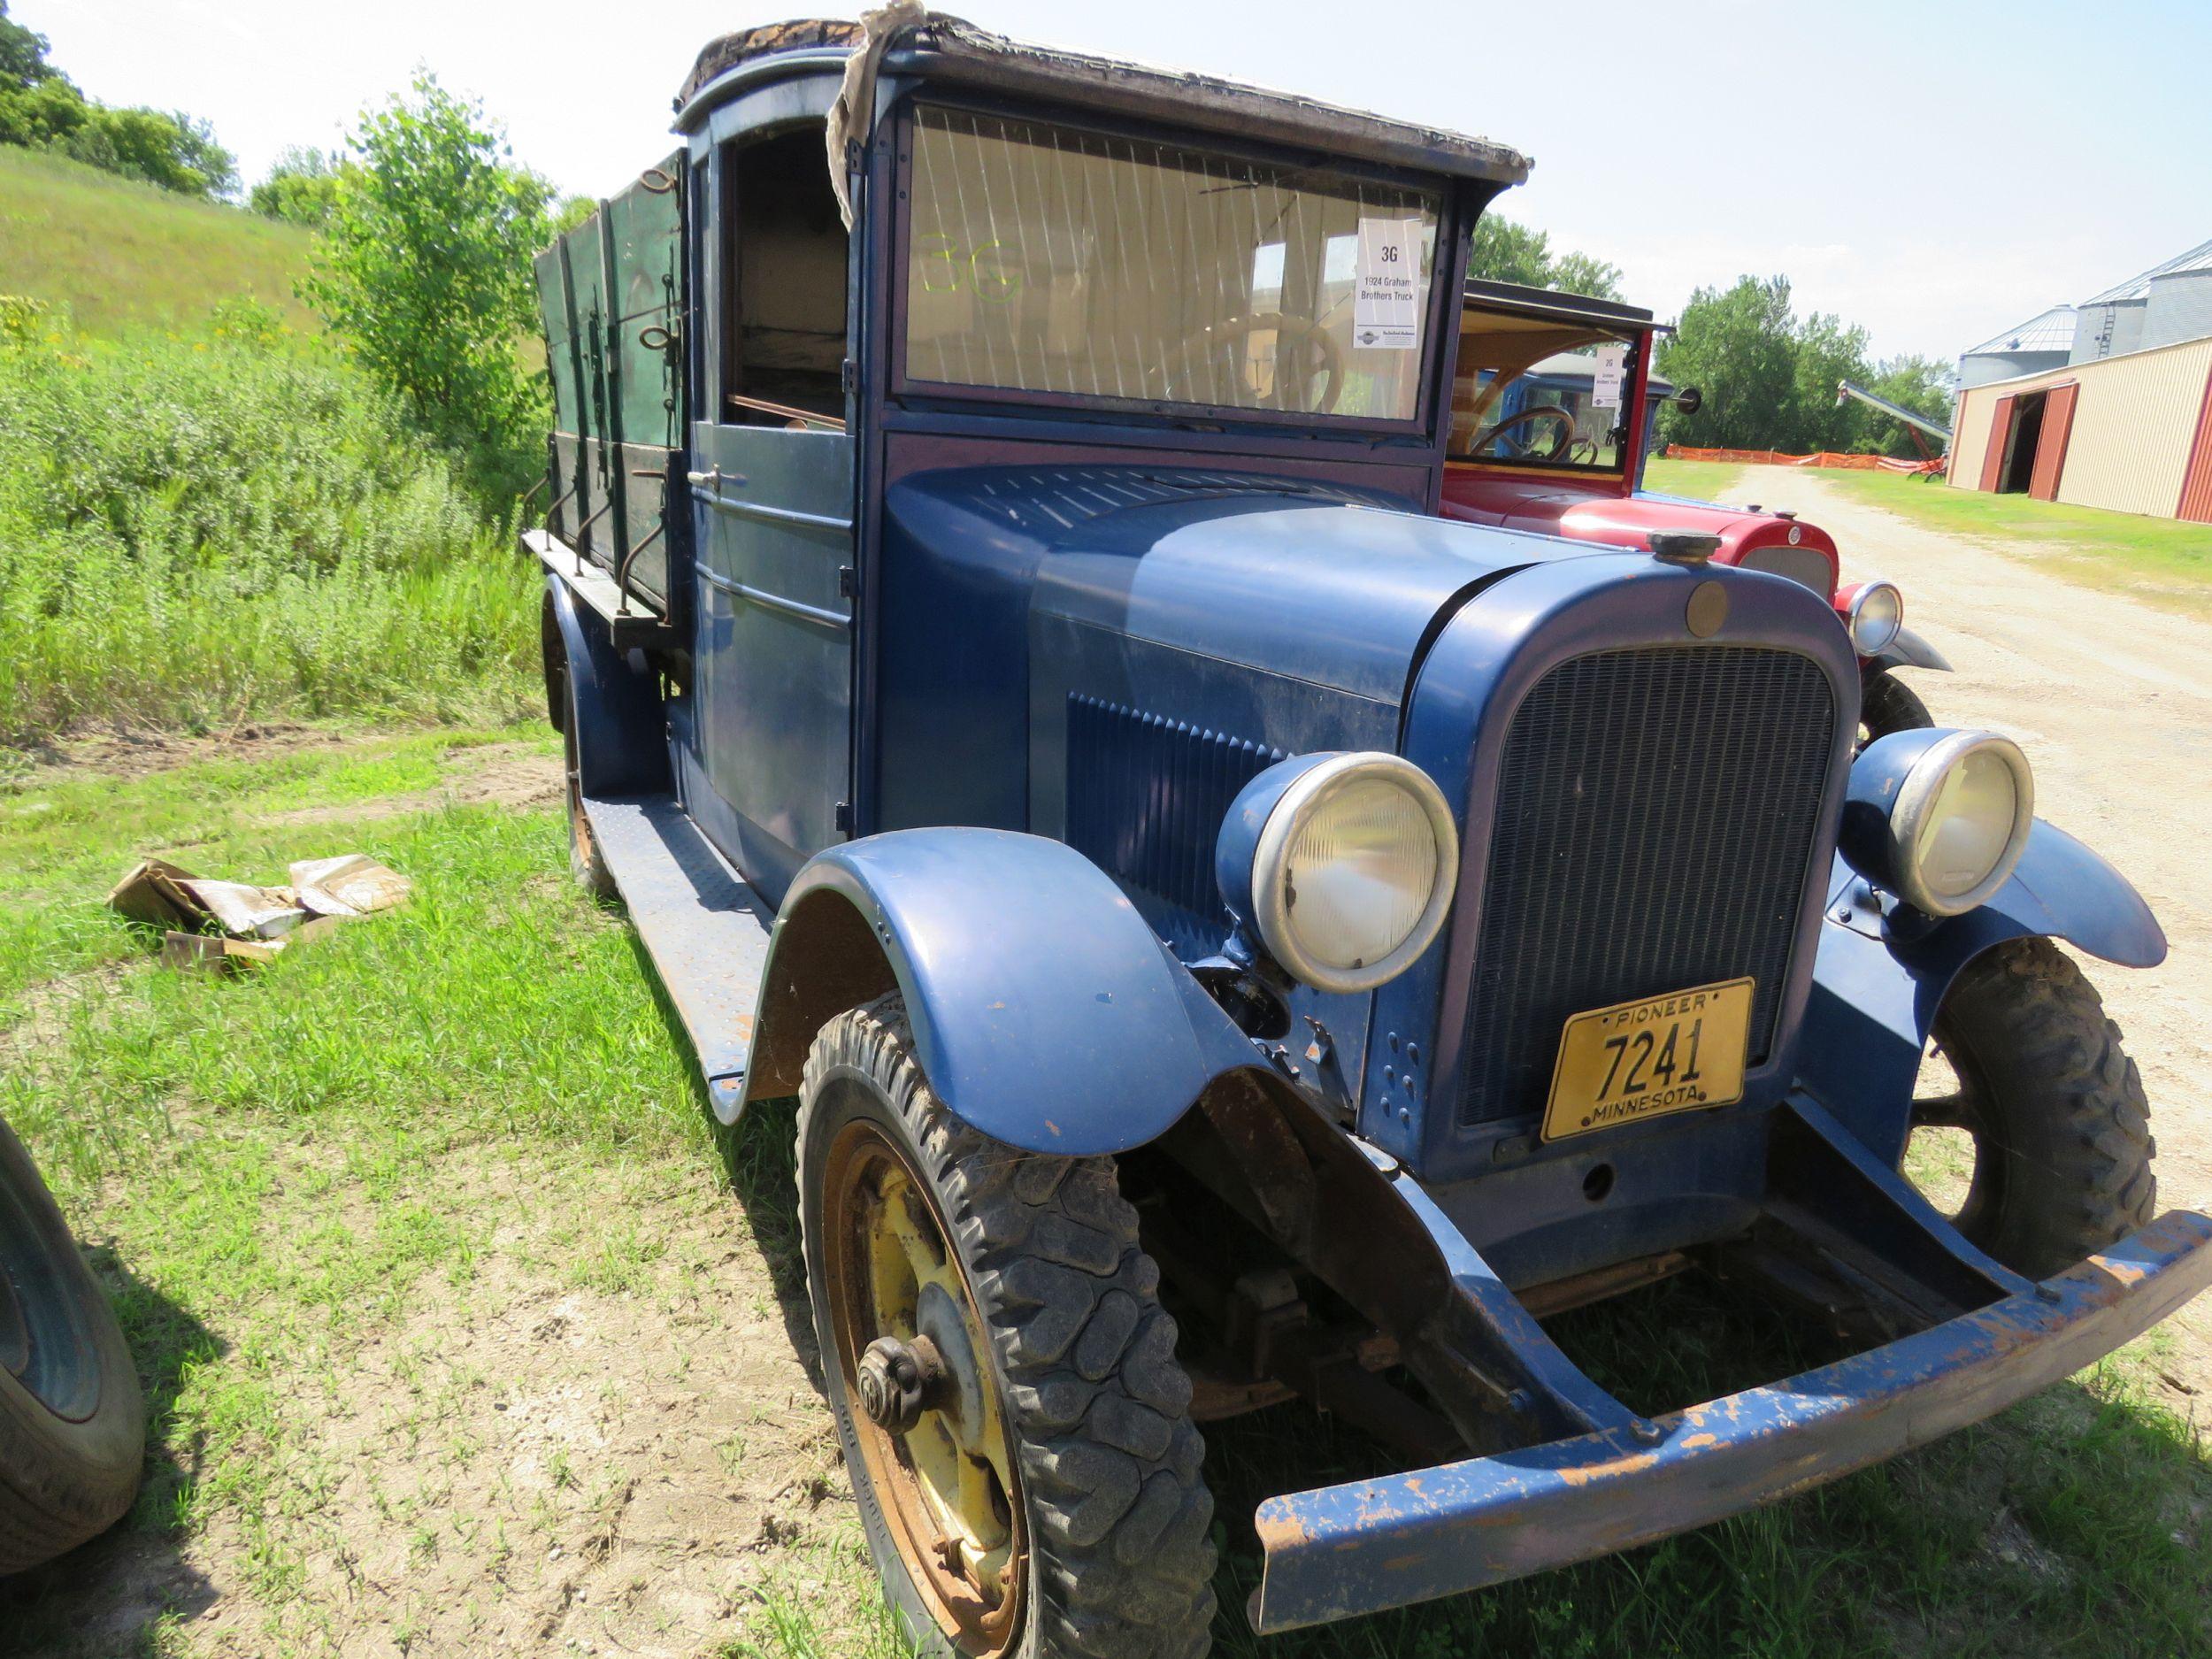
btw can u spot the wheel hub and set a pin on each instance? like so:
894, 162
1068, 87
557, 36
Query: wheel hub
898, 1381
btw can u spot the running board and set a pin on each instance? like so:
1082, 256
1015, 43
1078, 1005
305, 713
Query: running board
705, 929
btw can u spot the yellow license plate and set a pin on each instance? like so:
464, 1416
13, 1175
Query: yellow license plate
1644, 1059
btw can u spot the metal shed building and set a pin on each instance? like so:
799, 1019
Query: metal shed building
2122, 419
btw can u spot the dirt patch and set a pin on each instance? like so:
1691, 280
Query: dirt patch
557, 1446
126, 754
513, 775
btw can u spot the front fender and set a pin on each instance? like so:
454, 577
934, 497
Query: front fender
1910, 651
1045, 1012
1875, 989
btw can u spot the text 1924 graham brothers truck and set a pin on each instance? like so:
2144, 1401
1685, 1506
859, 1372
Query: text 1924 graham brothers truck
1233, 931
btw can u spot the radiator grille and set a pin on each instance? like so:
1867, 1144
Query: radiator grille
1655, 812
1145, 800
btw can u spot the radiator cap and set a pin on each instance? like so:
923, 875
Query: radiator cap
1684, 546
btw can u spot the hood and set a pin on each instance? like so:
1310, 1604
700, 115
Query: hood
1787, 545
1320, 582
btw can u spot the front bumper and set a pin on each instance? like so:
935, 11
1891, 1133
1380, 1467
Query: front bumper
1372, 1544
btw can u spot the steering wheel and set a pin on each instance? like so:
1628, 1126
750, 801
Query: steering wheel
1327, 358
1561, 444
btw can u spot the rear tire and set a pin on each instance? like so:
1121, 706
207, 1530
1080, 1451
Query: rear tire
1101, 1549
587, 865
2055, 1108
72, 1423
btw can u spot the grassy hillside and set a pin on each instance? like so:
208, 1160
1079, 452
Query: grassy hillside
118, 253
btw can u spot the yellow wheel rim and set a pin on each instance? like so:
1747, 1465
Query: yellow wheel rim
943, 1470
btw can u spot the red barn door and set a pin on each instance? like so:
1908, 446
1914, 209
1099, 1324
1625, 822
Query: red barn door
1999, 441
2196, 483
2050, 449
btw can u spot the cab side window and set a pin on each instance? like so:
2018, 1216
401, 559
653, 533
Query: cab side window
783, 339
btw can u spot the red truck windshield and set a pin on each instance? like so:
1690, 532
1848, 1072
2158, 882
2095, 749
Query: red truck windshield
1532, 393
1044, 260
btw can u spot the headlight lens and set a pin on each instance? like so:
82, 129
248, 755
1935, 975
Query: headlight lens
1354, 872
1969, 825
1878, 616
1957, 807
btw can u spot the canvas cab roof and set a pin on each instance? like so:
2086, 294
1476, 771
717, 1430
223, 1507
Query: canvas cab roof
906, 40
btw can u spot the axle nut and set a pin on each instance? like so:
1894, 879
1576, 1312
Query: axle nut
896, 1379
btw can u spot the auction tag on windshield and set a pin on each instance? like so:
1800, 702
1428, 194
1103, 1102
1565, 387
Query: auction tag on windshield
1387, 286
1605, 390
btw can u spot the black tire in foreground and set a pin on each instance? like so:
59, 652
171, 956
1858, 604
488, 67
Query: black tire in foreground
2063, 1146
73, 1425
1887, 704
1003, 1377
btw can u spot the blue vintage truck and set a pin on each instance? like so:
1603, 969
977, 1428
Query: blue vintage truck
1233, 933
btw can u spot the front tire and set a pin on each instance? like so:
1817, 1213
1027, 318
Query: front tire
1887, 704
1002, 1376
2053, 1107
72, 1425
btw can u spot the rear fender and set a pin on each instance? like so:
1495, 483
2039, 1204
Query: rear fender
1045, 1012
1877, 987
622, 735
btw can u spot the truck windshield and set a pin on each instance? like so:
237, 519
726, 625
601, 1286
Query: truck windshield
1529, 393
1043, 259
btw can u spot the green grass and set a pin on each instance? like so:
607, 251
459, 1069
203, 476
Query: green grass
194, 533
121, 254
478, 1108
1697, 481
2162, 556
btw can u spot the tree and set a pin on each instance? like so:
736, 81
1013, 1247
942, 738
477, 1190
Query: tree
42, 108
177, 152
1828, 350
301, 189
425, 268
1921, 385
1738, 346
570, 213
1506, 252
23, 56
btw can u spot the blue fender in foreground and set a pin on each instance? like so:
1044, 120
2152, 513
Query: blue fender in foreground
1045, 1011
622, 737
1875, 988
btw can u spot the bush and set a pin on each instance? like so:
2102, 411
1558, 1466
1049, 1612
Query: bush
423, 267
194, 532
301, 189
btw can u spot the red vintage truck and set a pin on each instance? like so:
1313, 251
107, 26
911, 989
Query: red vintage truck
1553, 409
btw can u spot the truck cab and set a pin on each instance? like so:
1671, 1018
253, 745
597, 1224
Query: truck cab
1073, 686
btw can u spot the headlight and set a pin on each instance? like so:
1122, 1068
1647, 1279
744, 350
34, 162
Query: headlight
1938, 817
1876, 615
1344, 865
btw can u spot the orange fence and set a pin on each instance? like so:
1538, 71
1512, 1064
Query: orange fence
1824, 458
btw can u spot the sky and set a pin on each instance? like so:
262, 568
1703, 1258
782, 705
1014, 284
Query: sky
1935, 171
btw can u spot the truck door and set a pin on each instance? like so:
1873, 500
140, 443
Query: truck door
772, 488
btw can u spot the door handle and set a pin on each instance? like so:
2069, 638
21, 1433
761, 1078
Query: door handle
714, 478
